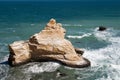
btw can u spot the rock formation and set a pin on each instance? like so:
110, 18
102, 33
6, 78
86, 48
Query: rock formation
49, 44
102, 28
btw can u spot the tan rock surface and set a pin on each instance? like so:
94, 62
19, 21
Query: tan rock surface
49, 44
19, 52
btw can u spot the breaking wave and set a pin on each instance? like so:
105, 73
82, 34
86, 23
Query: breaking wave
107, 57
102, 35
79, 37
45, 67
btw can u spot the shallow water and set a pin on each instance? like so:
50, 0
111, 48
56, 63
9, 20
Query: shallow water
20, 20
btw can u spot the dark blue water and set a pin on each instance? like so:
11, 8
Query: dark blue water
20, 20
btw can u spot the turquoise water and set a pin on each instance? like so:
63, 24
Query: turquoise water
20, 20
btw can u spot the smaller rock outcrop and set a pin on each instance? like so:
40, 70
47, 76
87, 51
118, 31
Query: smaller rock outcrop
79, 51
19, 53
49, 44
102, 28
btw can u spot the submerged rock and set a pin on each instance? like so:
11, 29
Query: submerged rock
60, 74
49, 44
102, 28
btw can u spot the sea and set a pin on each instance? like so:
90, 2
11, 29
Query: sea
21, 19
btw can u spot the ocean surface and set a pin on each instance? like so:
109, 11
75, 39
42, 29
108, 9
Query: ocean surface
81, 19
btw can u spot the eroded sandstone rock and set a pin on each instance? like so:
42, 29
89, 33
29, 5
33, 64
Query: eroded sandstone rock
19, 53
49, 44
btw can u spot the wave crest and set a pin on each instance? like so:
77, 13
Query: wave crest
79, 37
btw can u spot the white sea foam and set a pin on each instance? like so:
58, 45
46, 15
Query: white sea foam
45, 67
104, 78
107, 35
102, 35
115, 40
5, 58
107, 56
115, 66
79, 37
112, 74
